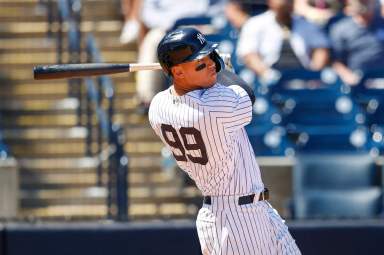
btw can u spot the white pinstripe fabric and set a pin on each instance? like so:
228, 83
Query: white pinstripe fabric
229, 229
230, 170
220, 114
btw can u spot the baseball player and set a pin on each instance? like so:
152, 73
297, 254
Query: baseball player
202, 122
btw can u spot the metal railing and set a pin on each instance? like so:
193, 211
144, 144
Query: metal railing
96, 105
4, 151
100, 101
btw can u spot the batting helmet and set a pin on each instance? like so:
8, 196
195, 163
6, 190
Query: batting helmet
184, 45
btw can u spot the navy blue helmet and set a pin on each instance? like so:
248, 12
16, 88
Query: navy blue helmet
184, 45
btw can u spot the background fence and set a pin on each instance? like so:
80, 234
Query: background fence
333, 238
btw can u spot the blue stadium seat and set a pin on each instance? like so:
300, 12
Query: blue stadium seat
334, 171
370, 94
191, 21
318, 113
334, 139
266, 135
371, 86
356, 203
336, 185
269, 140
300, 113
325, 124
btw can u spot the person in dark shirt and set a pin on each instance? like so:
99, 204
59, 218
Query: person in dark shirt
358, 41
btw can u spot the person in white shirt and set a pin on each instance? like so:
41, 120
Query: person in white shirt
276, 40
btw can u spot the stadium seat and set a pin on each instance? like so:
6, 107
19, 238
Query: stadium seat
369, 93
336, 185
336, 111
356, 203
318, 112
269, 140
266, 135
370, 86
190, 21
334, 171
325, 123
334, 139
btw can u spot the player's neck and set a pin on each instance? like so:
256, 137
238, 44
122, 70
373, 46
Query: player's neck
180, 91
180, 88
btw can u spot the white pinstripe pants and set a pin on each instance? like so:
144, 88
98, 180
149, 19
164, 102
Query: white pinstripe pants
226, 228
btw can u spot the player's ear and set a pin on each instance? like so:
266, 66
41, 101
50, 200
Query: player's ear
177, 72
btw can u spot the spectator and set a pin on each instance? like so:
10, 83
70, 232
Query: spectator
158, 16
381, 2
358, 41
318, 11
238, 11
276, 40
131, 29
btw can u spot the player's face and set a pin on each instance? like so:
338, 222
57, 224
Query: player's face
200, 73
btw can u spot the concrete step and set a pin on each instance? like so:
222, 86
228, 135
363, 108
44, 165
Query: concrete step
152, 194
71, 148
91, 212
144, 148
40, 58
133, 133
27, 44
39, 29
37, 180
25, 105
51, 135
126, 104
95, 10
137, 163
57, 181
35, 2
66, 105
140, 133
45, 120
65, 212
44, 134
58, 149
53, 89
130, 119
49, 44
58, 165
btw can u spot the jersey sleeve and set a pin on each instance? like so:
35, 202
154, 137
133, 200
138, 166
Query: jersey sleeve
234, 108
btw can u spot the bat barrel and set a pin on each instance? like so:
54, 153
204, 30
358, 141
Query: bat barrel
77, 70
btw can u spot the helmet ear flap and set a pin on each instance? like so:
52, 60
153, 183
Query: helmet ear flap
218, 60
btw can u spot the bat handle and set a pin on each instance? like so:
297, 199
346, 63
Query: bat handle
144, 67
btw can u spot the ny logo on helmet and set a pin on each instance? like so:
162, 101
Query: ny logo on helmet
201, 38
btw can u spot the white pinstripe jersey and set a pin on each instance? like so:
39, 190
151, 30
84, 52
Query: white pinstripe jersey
205, 131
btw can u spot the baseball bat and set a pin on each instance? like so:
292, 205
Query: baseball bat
46, 72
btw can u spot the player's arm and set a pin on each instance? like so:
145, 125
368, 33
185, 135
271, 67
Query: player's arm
230, 106
228, 78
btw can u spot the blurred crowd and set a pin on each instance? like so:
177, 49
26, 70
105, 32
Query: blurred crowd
273, 35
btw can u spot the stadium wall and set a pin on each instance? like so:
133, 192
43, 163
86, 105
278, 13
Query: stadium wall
2, 239
352, 238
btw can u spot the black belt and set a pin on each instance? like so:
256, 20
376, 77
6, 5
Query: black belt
244, 199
